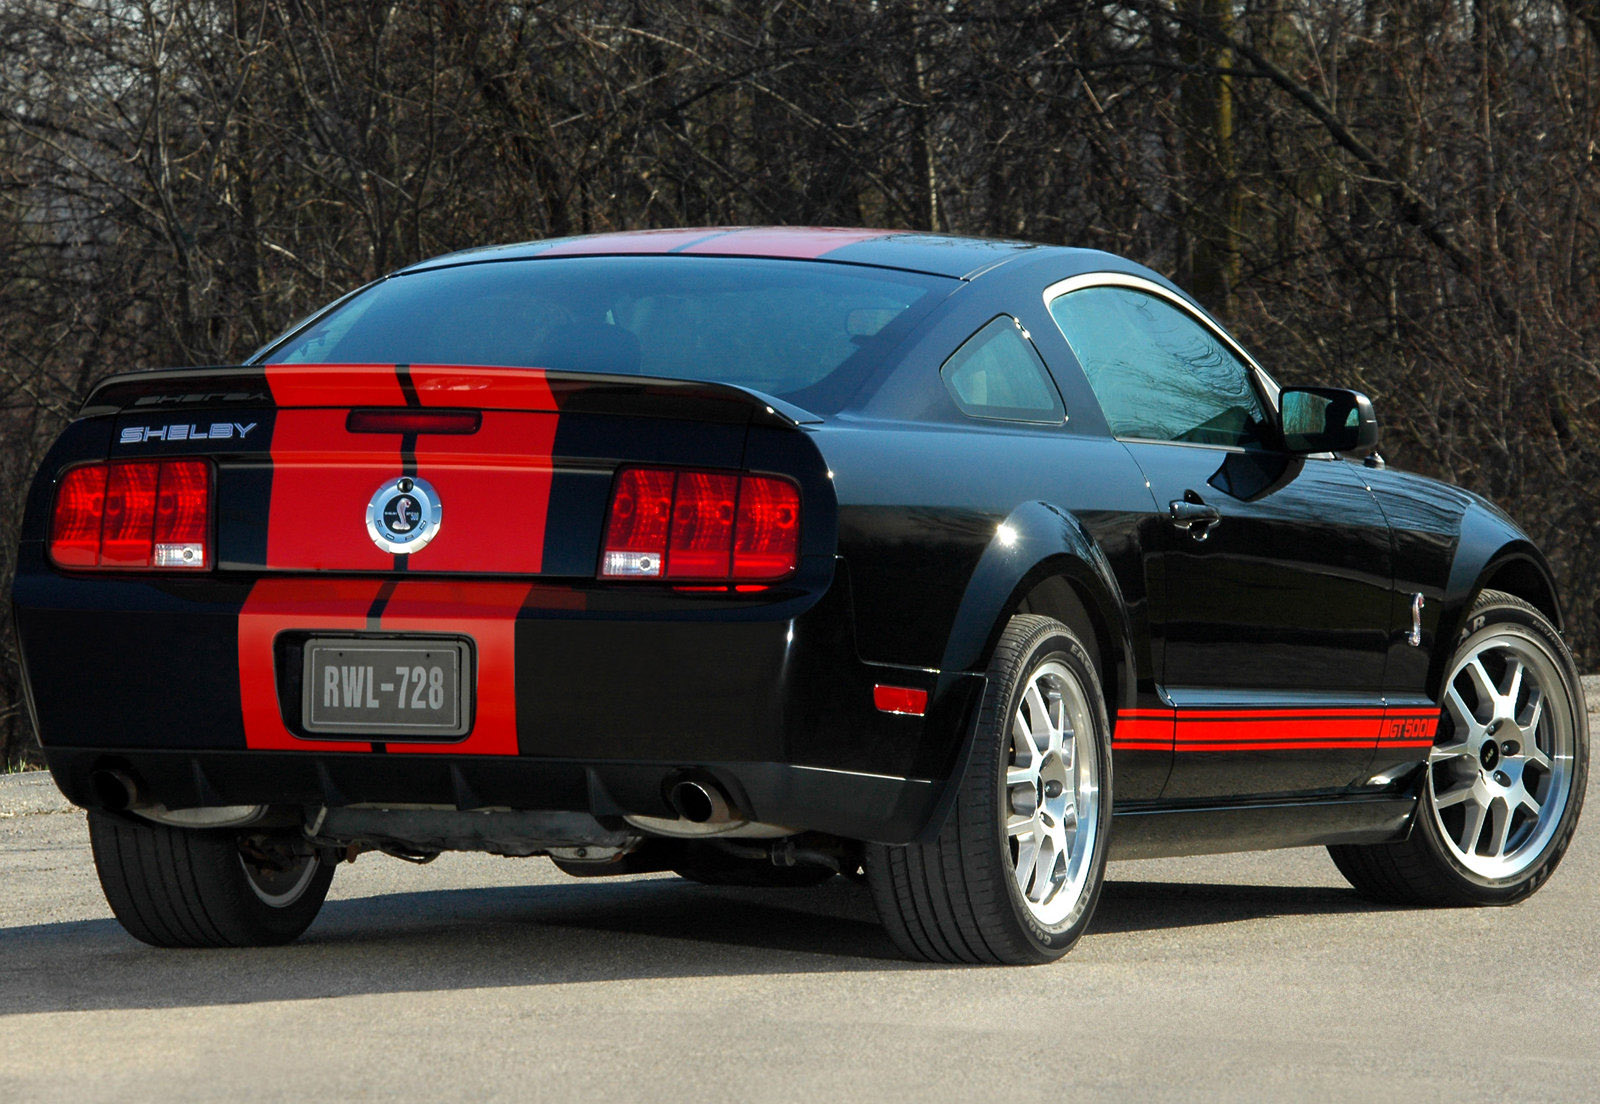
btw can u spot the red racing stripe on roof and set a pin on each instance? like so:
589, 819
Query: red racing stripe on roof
789, 243
631, 241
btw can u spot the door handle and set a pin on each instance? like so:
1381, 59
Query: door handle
1193, 516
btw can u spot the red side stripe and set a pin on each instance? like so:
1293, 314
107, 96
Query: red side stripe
1143, 730
1329, 728
1409, 726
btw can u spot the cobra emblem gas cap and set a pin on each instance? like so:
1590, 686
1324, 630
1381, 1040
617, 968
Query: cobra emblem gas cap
404, 515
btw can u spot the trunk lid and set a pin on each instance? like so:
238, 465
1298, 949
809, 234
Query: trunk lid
310, 458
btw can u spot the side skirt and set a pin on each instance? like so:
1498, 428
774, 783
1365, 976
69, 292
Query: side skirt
1157, 832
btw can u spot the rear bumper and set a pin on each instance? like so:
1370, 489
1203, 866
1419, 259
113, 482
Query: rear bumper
589, 698
854, 805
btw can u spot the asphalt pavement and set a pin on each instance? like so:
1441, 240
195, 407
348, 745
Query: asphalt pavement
1259, 976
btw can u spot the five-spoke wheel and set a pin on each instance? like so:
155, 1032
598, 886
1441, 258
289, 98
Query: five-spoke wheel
1500, 774
1505, 778
1052, 792
1015, 872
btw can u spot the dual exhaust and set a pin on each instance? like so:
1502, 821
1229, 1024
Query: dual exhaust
701, 802
702, 806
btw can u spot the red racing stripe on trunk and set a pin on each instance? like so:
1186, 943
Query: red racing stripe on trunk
343, 385
322, 479
494, 487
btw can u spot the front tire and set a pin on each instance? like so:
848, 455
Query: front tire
1506, 775
187, 887
1015, 873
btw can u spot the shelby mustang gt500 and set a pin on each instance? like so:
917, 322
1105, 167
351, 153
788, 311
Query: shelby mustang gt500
763, 555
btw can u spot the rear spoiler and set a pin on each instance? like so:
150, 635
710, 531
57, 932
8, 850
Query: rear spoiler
477, 388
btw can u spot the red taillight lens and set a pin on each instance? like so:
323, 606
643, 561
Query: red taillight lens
701, 526
768, 544
183, 515
134, 515
636, 534
80, 510
129, 528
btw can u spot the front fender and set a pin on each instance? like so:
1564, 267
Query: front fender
1493, 553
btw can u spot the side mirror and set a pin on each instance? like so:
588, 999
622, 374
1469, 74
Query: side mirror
1327, 419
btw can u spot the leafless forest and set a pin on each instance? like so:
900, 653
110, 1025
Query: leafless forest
1398, 195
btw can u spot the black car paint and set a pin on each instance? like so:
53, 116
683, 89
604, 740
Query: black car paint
924, 529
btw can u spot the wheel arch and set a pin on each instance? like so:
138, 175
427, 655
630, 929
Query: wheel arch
1516, 567
1042, 561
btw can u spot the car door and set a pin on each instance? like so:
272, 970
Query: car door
1270, 603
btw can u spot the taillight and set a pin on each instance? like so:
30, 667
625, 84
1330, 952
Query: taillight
701, 526
134, 515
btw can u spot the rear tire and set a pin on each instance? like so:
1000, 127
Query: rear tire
1506, 775
1015, 872
186, 887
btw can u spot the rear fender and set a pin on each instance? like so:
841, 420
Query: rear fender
1036, 543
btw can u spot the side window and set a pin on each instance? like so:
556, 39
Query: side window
1159, 374
997, 374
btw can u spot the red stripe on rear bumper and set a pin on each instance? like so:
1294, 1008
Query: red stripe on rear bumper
280, 605
485, 612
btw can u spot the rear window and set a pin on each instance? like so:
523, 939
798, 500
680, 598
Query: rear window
803, 331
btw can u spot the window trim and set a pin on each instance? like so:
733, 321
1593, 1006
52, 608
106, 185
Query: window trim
1266, 387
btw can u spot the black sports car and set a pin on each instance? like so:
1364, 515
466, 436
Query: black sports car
765, 555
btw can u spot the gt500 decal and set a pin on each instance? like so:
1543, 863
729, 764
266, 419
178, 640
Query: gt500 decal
216, 431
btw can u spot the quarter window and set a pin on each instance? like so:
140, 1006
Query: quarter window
998, 374
1159, 374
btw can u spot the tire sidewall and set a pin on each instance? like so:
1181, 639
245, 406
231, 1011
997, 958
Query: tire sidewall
1489, 617
1051, 641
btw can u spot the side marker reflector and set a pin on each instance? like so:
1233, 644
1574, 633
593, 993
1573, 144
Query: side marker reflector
900, 699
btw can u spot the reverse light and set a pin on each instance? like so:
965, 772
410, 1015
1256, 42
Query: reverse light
704, 526
133, 515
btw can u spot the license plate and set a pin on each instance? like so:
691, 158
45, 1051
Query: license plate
387, 687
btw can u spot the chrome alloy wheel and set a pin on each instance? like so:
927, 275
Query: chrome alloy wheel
279, 888
1500, 772
1051, 794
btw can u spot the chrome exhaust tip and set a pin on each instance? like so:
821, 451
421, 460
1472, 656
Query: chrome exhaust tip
701, 802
